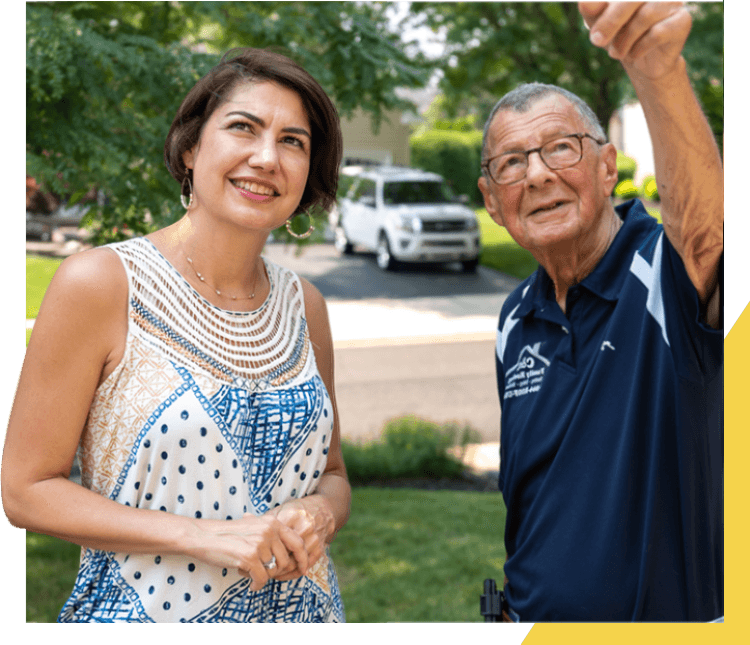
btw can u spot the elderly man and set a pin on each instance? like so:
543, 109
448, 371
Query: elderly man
609, 358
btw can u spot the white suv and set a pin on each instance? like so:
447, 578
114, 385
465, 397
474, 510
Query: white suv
405, 215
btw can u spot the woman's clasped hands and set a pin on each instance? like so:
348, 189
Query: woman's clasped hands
282, 544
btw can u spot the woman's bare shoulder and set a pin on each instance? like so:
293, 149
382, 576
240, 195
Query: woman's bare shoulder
94, 280
99, 269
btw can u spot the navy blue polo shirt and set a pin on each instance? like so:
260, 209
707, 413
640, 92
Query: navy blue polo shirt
612, 440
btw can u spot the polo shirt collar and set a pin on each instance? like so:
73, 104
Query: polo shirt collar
607, 278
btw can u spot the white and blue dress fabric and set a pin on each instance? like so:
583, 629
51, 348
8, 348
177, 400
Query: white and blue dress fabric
210, 414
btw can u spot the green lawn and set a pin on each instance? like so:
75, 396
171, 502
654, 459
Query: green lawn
51, 567
39, 272
500, 252
419, 556
405, 556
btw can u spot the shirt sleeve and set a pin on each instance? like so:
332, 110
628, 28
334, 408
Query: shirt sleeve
698, 349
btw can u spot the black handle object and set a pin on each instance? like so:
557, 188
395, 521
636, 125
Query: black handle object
490, 603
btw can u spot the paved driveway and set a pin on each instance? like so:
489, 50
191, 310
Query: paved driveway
427, 302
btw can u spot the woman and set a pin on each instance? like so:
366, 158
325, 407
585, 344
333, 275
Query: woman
198, 380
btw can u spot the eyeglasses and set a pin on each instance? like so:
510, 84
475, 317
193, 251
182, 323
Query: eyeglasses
563, 152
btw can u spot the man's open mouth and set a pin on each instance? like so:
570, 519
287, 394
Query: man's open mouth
548, 207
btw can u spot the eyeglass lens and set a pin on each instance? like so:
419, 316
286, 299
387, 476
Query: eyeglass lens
557, 154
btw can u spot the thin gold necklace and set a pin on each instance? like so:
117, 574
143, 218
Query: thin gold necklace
218, 293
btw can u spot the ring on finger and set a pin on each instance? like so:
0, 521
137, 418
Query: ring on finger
271, 564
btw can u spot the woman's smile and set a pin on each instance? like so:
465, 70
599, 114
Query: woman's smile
254, 191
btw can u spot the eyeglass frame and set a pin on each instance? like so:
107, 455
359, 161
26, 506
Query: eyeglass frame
578, 135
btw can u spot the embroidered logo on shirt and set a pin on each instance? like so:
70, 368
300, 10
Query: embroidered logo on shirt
606, 344
526, 376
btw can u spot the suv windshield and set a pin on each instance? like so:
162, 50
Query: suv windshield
417, 192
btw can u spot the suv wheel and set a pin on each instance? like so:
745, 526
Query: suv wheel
470, 266
341, 243
385, 260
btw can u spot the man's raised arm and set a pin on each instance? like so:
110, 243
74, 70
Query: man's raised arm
648, 37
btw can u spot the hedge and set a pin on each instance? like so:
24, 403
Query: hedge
454, 155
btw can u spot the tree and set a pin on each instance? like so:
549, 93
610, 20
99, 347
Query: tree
104, 80
494, 46
704, 54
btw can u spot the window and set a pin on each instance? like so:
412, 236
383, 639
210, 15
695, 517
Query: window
417, 192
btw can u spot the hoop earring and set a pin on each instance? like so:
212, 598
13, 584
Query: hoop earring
186, 203
300, 236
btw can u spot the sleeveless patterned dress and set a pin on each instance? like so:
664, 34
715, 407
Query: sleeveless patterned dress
210, 414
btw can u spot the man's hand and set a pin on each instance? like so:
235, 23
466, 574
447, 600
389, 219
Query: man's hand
647, 37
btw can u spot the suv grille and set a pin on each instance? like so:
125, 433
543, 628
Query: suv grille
444, 226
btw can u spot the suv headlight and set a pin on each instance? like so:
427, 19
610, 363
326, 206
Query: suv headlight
472, 224
410, 224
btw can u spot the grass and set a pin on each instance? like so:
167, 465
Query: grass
39, 272
500, 251
418, 556
405, 556
51, 567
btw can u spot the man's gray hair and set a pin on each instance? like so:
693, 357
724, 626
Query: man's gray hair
524, 96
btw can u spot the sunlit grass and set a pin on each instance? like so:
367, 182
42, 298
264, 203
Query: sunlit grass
419, 556
39, 272
500, 251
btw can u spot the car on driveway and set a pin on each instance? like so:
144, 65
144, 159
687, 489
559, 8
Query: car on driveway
405, 215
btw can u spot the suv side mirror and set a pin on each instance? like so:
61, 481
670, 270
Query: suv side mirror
462, 199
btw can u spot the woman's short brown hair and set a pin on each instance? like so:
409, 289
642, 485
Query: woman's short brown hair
257, 65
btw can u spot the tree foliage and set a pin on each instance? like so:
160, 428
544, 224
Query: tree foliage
494, 46
704, 54
104, 80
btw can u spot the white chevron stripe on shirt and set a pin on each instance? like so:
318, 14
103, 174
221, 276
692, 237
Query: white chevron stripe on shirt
650, 276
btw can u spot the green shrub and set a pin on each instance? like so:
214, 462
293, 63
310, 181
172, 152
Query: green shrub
345, 183
626, 189
457, 156
626, 167
649, 188
409, 447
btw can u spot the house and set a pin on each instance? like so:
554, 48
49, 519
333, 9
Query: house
362, 144
629, 133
